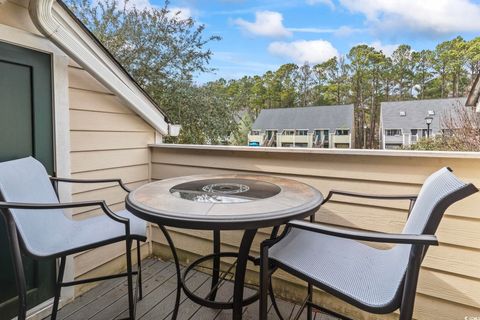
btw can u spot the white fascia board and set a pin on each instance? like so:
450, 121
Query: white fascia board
57, 25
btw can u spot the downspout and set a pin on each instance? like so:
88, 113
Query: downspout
43, 16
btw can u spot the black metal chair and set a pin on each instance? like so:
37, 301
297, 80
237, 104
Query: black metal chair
375, 280
38, 227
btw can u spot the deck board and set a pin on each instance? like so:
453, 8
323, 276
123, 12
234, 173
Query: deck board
109, 299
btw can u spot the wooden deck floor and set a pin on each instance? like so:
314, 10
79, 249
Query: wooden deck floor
109, 301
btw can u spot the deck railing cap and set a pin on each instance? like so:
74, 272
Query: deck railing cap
350, 152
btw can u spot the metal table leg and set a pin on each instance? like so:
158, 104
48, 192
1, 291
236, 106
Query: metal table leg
216, 264
240, 273
177, 266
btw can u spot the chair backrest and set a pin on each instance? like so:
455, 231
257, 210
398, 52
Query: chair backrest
26, 180
439, 191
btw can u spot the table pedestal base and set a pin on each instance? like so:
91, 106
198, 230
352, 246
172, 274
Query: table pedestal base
209, 299
240, 269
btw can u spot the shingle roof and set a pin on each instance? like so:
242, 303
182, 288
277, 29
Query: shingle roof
311, 118
416, 111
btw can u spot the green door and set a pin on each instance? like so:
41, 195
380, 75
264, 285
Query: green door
25, 130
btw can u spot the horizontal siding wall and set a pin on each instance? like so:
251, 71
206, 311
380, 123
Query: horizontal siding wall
449, 285
107, 141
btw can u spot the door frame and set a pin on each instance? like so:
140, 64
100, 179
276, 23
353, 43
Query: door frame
61, 134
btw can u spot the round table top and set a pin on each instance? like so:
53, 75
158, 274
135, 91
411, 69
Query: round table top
227, 201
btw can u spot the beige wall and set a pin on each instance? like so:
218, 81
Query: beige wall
107, 140
13, 13
449, 286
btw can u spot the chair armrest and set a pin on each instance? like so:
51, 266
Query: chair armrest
70, 180
68, 205
418, 239
411, 197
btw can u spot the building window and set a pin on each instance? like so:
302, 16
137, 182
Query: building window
255, 132
342, 132
421, 133
288, 132
393, 132
301, 132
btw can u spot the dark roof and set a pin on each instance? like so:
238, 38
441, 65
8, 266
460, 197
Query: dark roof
311, 118
110, 55
416, 111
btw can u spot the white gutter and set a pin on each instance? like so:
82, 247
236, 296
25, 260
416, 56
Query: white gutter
58, 26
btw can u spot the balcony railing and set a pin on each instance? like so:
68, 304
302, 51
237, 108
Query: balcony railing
450, 278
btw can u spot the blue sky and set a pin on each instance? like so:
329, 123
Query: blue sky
261, 35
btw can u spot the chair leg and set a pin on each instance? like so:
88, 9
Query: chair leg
310, 299
310, 287
139, 275
131, 303
274, 300
264, 282
410, 286
18, 268
58, 288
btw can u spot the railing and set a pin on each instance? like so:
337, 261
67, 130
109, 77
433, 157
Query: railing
449, 286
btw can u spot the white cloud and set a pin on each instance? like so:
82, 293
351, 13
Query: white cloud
314, 51
419, 16
267, 23
342, 31
387, 49
345, 31
328, 3
181, 13
139, 4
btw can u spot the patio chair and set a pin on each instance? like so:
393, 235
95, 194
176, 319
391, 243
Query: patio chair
376, 280
38, 227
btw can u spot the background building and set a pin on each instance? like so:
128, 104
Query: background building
308, 127
403, 123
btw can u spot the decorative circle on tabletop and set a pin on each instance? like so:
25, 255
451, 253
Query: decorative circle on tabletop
225, 190
224, 201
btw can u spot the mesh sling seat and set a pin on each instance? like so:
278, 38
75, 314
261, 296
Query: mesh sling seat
38, 227
375, 280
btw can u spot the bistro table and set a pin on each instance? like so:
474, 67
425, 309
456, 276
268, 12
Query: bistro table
222, 202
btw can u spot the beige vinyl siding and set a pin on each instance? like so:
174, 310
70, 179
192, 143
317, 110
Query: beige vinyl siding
15, 14
107, 141
449, 286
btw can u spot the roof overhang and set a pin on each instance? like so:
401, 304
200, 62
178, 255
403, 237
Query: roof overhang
57, 24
